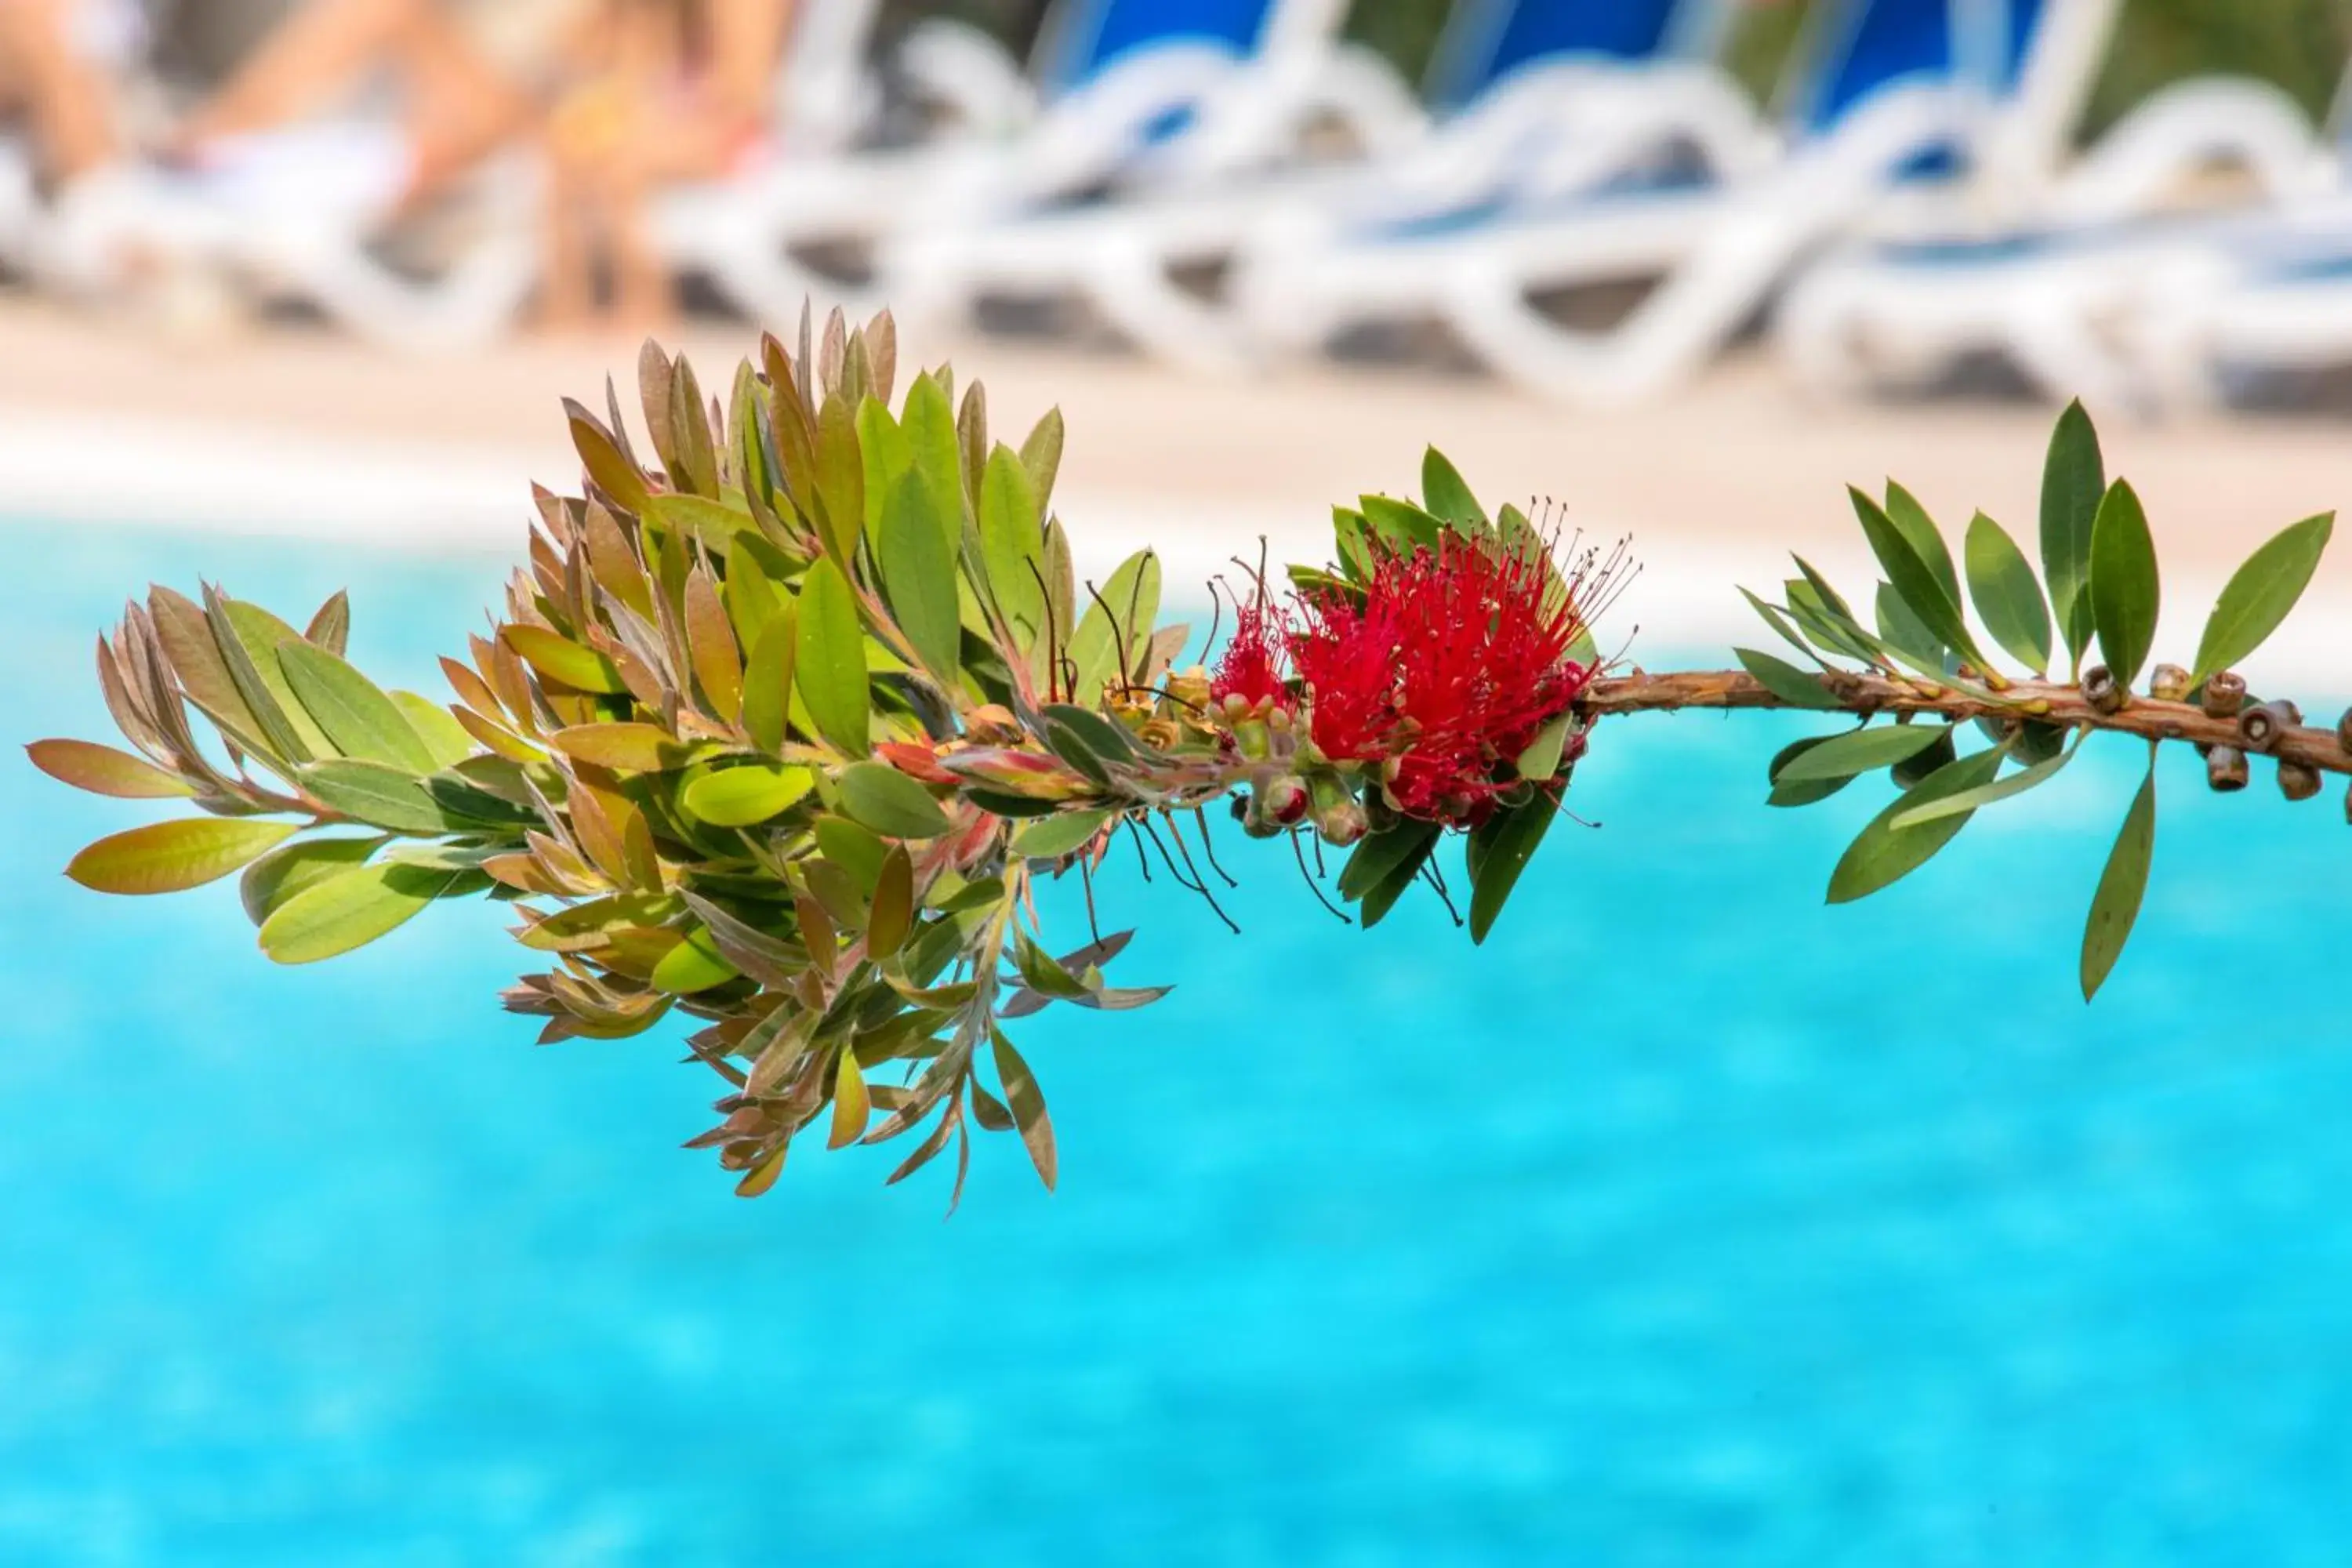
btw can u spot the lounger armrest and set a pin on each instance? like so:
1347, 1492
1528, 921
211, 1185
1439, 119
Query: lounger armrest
968, 74
2191, 126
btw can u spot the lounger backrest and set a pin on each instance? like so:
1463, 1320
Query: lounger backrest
1869, 46
1093, 33
1486, 40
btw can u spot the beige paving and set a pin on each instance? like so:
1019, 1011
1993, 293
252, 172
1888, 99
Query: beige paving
1715, 484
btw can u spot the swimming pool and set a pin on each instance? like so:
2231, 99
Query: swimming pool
1645, 1233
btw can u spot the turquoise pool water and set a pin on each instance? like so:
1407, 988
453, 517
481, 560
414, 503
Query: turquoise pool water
1689, 1221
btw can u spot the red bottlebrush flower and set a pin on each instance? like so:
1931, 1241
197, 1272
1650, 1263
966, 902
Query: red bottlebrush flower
1251, 666
1452, 662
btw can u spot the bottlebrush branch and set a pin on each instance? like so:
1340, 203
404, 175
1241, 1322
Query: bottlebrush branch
780, 729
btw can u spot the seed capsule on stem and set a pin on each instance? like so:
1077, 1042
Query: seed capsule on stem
2103, 691
2344, 730
2225, 770
2297, 781
2259, 726
2224, 694
2168, 683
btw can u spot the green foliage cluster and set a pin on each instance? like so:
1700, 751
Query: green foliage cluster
775, 732
2099, 591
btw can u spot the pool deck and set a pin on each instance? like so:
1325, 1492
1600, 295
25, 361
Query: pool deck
297, 432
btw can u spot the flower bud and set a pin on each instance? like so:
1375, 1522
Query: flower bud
1341, 823
2225, 770
2299, 780
1338, 816
2168, 683
1283, 799
2224, 694
2103, 691
2259, 726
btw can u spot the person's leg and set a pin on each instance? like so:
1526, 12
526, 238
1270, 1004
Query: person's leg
70, 103
643, 301
460, 108
567, 294
310, 58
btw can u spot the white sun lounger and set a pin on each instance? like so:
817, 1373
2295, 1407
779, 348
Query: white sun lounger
1900, 108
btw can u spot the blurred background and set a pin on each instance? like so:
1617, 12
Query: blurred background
1687, 1220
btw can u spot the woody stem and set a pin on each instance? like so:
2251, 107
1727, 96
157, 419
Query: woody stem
2049, 703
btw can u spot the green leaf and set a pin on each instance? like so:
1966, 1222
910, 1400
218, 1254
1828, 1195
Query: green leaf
601, 456
167, 856
563, 661
634, 748
444, 739
1444, 493
296, 868
1506, 841
1051, 838
1785, 681
893, 913
1028, 1106
767, 679
840, 479
852, 1105
2115, 906
1795, 794
1041, 454
378, 794
331, 627
1859, 752
1969, 800
880, 797
2261, 593
930, 429
1920, 582
354, 909
2008, 599
887, 458
186, 633
1041, 972
360, 719
830, 660
1901, 628
1882, 853
1401, 525
1110, 642
102, 770
1904, 511
249, 636
740, 796
858, 853
919, 574
1013, 548
1382, 855
1541, 760
715, 523
1778, 620
2074, 480
2126, 594
1103, 738
694, 965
